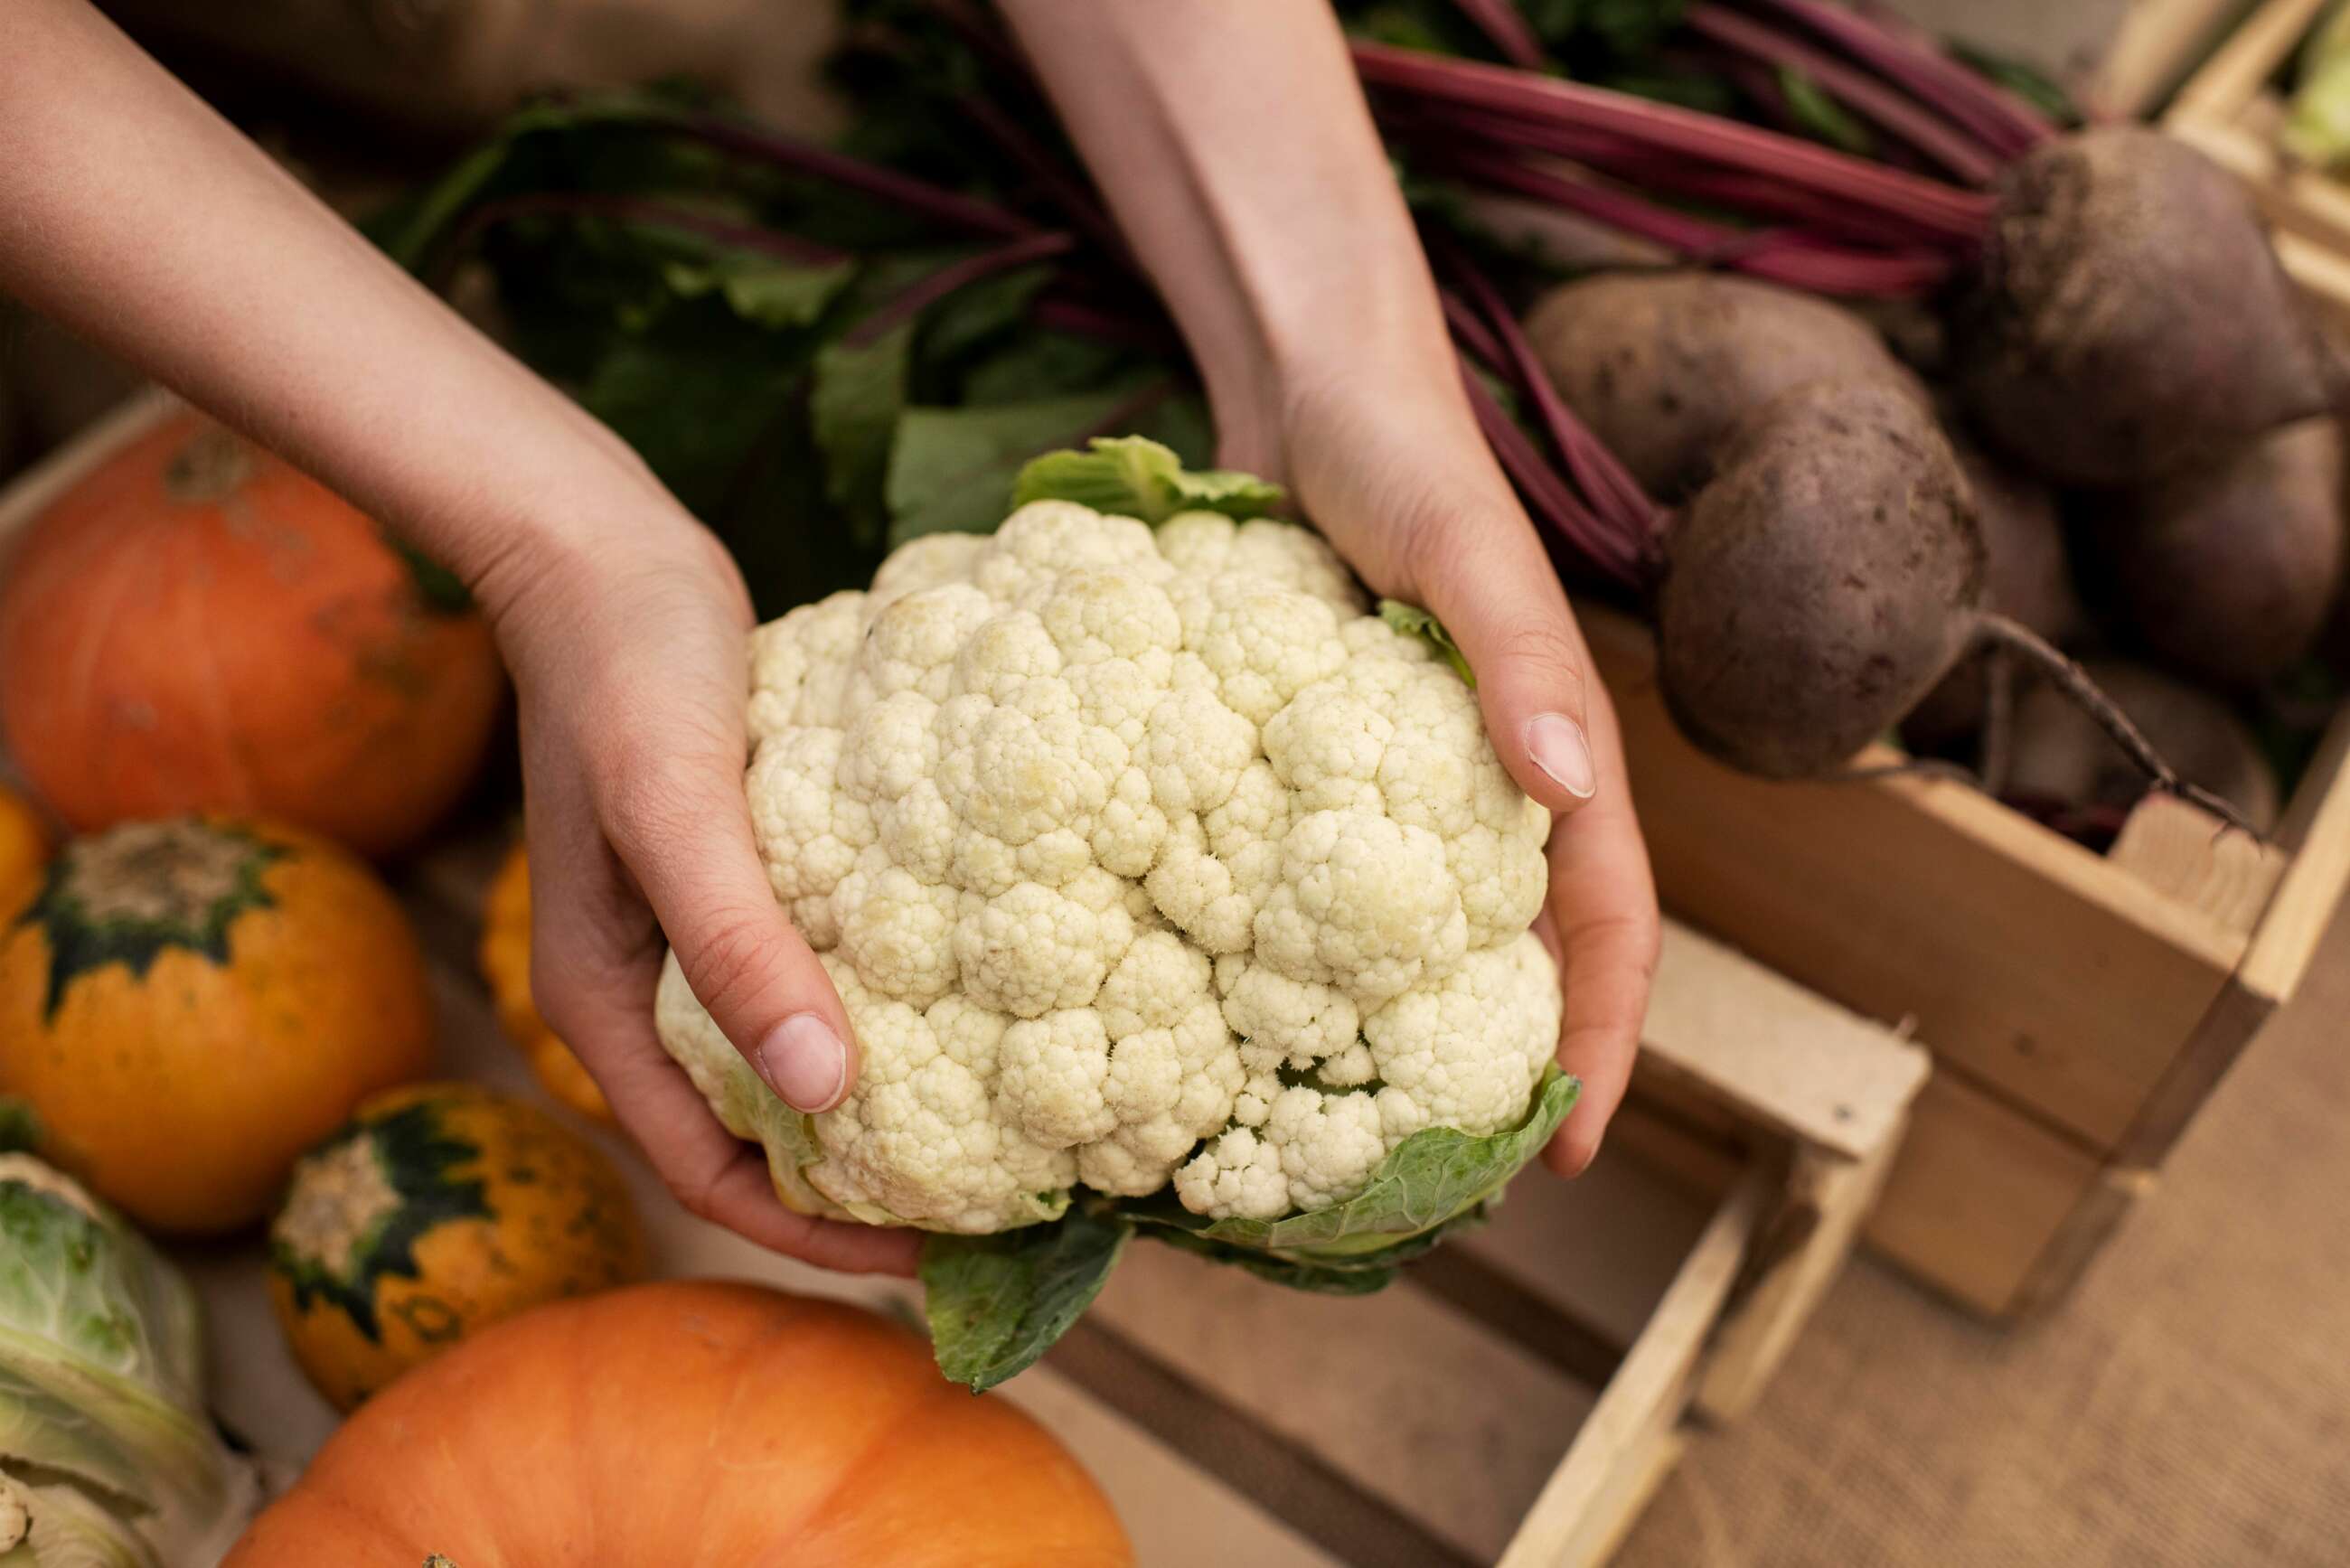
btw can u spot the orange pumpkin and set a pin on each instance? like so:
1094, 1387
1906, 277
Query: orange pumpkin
188, 1005
197, 626
689, 1425
23, 847
506, 965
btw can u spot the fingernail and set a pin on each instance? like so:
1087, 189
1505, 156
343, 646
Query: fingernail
1559, 748
804, 1061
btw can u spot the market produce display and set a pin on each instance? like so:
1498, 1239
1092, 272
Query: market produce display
689, 1423
439, 1208
1165, 887
241, 639
108, 1458
189, 1004
505, 957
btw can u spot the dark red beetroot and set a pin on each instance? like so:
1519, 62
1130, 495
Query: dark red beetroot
2027, 578
1665, 365
2229, 572
2128, 315
1821, 584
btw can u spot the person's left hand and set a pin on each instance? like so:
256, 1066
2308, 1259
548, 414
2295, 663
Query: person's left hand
1388, 464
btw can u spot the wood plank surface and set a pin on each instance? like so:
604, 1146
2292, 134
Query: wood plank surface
1977, 1194
1789, 1059
1582, 1509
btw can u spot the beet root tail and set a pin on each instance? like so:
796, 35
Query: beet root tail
2042, 656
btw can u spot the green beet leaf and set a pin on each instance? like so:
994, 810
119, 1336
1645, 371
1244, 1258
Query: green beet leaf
1134, 476
997, 1302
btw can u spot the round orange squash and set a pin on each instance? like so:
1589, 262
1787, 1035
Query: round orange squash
506, 965
436, 1210
23, 849
185, 1006
197, 626
689, 1425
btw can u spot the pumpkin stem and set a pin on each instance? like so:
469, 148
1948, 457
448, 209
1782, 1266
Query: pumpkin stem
162, 873
209, 468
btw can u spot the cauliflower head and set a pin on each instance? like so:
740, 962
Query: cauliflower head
1143, 858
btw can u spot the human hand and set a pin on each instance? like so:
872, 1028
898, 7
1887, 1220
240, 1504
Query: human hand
1383, 454
629, 664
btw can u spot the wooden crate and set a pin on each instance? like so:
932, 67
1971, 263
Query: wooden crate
1515, 1399
2230, 111
2158, 44
2080, 1007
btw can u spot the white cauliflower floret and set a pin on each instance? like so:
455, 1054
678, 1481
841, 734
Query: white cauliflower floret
1140, 860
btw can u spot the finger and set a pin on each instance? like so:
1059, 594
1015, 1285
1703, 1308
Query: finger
1485, 576
1603, 907
679, 822
596, 958
713, 1174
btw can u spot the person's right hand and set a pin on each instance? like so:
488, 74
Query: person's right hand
628, 660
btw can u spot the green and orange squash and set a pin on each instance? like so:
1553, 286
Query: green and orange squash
439, 1208
188, 1005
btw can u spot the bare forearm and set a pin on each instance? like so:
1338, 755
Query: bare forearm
1236, 150
133, 213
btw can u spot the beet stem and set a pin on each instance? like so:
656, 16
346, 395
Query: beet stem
2073, 682
919, 197
1775, 255
1615, 497
1960, 215
928, 289
1904, 118
2002, 121
1506, 29
1996, 756
645, 210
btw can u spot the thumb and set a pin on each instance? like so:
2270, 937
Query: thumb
1490, 582
685, 834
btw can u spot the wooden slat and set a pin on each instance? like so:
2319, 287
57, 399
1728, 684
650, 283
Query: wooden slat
1581, 1510
2185, 852
2043, 970
1977, 1194
1775, 1301
2157, 44
2244, 65
2080, 1238
1695, 1158
1788, 1059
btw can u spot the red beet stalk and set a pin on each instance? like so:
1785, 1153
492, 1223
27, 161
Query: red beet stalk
1960, 217
1955, 150
1996, 116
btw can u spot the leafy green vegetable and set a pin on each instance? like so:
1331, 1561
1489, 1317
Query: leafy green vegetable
1134, 476
1821, 116
859, 393
951, 469
759, 288
997, 1302
1413, 622
102, 1428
